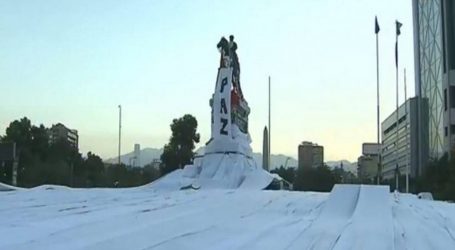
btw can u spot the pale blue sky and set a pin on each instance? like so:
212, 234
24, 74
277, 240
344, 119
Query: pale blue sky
75, 61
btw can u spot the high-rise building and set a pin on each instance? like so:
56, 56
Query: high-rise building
407, 152
367, 163
61, 132
434, 52
310, 155
137, 155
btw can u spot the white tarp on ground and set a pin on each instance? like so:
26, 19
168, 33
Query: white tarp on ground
6, 187
353, 217
225, 163
218, 170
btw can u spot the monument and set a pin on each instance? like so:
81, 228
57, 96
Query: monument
265, 150
227, 160
229, 108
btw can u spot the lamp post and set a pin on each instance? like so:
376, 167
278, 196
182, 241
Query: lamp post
119, 132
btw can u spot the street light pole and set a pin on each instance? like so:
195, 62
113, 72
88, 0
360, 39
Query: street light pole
15, 165
119, 132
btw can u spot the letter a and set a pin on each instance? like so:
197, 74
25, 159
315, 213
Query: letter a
223, 106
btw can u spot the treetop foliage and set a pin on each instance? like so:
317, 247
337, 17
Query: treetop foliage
179, 151
44, 162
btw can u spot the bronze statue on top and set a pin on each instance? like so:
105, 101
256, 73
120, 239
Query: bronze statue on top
229, 58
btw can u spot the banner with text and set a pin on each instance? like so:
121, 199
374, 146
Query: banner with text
221, 127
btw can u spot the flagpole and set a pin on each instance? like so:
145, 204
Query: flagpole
397, 116
377, 104
406, 133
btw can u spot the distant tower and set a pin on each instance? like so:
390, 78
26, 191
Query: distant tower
137, 155
310, 155
265, 150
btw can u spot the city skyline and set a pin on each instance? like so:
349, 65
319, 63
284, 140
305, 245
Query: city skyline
74, 62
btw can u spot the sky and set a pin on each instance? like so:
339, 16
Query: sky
74, 62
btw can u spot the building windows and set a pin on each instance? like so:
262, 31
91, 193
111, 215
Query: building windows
452, 96
390, 128
445, 99
452, 129
446, 132
449, 11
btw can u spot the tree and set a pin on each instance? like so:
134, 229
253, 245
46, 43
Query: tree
150, 173
19, 131
58, 162
319, 179
39, 141
179, 151
94, 168
286, 173
439, 179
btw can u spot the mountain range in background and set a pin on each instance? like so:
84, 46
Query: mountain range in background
147, 155
347, 165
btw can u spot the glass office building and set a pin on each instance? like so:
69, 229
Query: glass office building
429, 72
